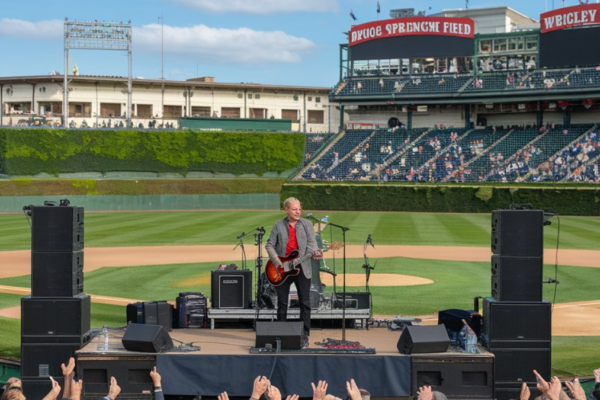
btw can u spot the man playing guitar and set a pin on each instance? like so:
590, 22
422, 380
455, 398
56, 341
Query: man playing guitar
289, 234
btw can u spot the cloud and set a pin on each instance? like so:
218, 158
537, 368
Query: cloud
262, 6
219, 45
51, 29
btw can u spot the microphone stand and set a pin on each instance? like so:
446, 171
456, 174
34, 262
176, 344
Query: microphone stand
344, 230
367, 266
241, 244
258, 302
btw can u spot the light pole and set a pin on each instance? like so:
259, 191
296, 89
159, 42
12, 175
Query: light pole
162, 67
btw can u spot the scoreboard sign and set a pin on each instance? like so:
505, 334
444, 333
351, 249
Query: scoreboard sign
569, 17
442, 26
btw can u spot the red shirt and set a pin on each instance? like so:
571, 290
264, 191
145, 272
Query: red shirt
292, 243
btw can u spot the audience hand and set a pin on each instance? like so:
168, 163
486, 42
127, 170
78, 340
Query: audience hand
54, 391
425, 393
273, 393
542, 385
331, 397
156, 378
353, 390
525, 393
320, 390
597, 374
12, 381
76, 387
261, 384
292, 397
223, 396
114, 389
68, 369
577, 391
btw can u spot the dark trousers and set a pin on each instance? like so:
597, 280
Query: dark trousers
283, 293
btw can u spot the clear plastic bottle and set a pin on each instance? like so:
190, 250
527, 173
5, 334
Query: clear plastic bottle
325, 218
103, 339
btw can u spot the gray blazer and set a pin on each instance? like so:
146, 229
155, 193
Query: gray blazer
307, 244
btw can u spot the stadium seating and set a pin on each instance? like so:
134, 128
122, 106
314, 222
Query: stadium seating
313, 142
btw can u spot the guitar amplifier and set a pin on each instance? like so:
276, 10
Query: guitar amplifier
231, 289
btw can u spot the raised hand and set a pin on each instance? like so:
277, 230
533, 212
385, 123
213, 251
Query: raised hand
76, 387
223, 396
114, 389
319, 391
577, 391
425, 393
597, 374
273, 393
261, 384
555, 388
331, 397
353, 390
525, 393
67, 370
156, 378
542, 385
292, 397
54, 390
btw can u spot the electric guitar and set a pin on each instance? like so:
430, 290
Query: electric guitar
277, 275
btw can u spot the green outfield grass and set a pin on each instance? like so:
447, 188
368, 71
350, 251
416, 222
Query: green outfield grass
222, 227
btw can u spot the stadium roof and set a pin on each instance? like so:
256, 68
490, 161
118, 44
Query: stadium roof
36, 79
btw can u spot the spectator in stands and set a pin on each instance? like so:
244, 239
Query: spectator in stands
336, 159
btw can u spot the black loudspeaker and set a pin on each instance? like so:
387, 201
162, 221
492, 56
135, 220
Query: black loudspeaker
231, 289
51, 320
527, 322
152, 313
56, 228
518, 233
56, 274
44, 359
355, 300
132, 373
516, 365
423, 339
463, 377
38, 387
290, 333
146, 338
517, 278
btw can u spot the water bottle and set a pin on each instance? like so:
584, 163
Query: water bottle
103, 339
325, 218
471, 343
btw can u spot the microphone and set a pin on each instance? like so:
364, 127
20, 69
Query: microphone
550, 280
242, 235
310, 216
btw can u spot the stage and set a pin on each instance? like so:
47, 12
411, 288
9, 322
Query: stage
224, 363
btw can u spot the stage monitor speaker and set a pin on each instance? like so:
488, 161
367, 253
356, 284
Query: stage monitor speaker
423, 339
56, 228
470, 377
58, 274
146, 338
518, 233
43, 318
528, 322
38, 387
354, 300
231, 289
291, 334
517, 278
44, 359
516, 365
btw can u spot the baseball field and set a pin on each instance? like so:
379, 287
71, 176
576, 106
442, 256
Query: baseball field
423, 262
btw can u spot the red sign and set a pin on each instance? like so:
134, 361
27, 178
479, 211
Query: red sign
460, 27
568, 17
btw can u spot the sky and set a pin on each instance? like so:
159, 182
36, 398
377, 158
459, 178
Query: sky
280, 42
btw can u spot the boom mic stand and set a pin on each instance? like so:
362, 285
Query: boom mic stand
241, 244
367, 266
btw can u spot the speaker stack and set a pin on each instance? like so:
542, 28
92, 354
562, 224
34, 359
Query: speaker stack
517, 321
55, 319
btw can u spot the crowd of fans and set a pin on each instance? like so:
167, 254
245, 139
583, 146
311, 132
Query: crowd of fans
552, 390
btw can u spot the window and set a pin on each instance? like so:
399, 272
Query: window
257, 96
18, 108
295, 97
316, 116
258, 113
240, 95
230, 112
172, 112
109, 110
144, 110
485, 46
500, 45
290, 114
200, 111
531, 43
516, 44
309, 98
80, 109
250, 95
53, 107
317, 99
